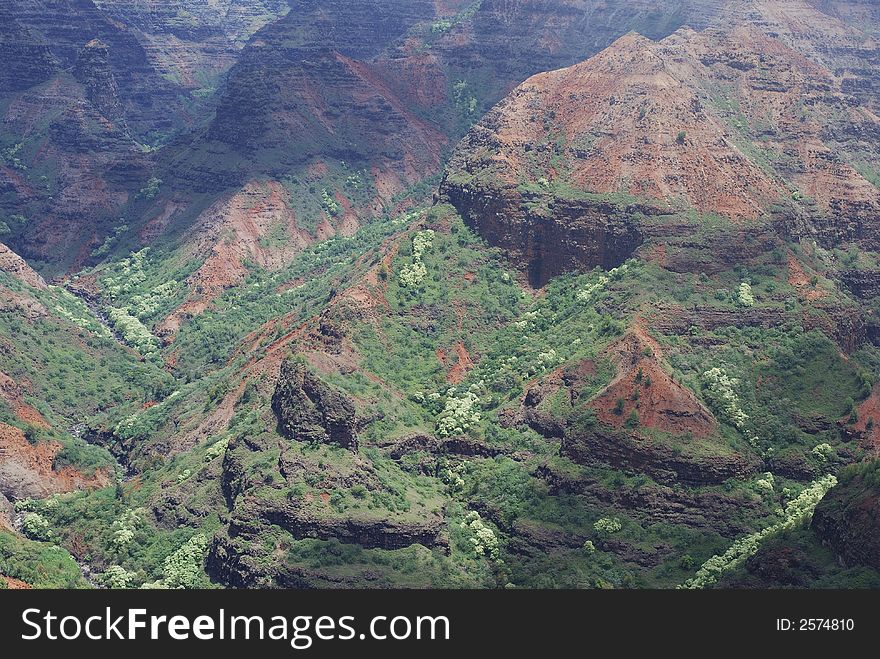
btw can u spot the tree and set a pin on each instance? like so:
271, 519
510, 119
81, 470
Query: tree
632, 420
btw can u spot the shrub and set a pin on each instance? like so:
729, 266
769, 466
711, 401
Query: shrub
744, 295
185, 567
329, 203
483, 538
117, 577
459, 414
133, 331
413, 274
40, 565
719, 389
823, 452
607, 526
797, 512
151, 189
217, 449
632, 421
36, 527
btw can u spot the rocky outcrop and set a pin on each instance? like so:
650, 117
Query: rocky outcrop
633, 453
679, 321
578, 167
848, 326
700, 509
27, 469
12, 264
459, 446
236, 563
23, 305
548, 236
848, 518
310, 411
648, 391
93, 70
781, 567
237, 555
642, 422
864, 284
251, 516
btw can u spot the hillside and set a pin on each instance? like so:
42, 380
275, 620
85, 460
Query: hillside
526, 294
734, 126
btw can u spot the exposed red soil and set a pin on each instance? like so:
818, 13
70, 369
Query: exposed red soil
869, 414
801, 281
13, 394
230, 233
627, 106
644, 386
26, 469
689, 121
15, 584
13, 264
23, 305
463, 364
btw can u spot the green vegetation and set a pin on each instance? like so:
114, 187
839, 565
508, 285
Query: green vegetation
796, 513
39, 564
430, 334
151, 189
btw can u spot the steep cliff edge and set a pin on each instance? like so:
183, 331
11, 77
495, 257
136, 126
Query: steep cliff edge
310, 411
847, 519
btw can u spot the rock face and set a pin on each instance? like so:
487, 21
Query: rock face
847, 519
93, 70
861, 283
661, 403
634, 144
625, 418
310, 411
27, 60
707, 509
553, 238
384, 85
377, 533
190, 41
626, 450
93, 163
64, 27
11, 263
83, 87
26, 470
236, 556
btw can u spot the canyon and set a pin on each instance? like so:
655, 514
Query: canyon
459, 294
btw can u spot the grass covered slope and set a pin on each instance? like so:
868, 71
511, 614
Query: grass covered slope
580, 367
615, 429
